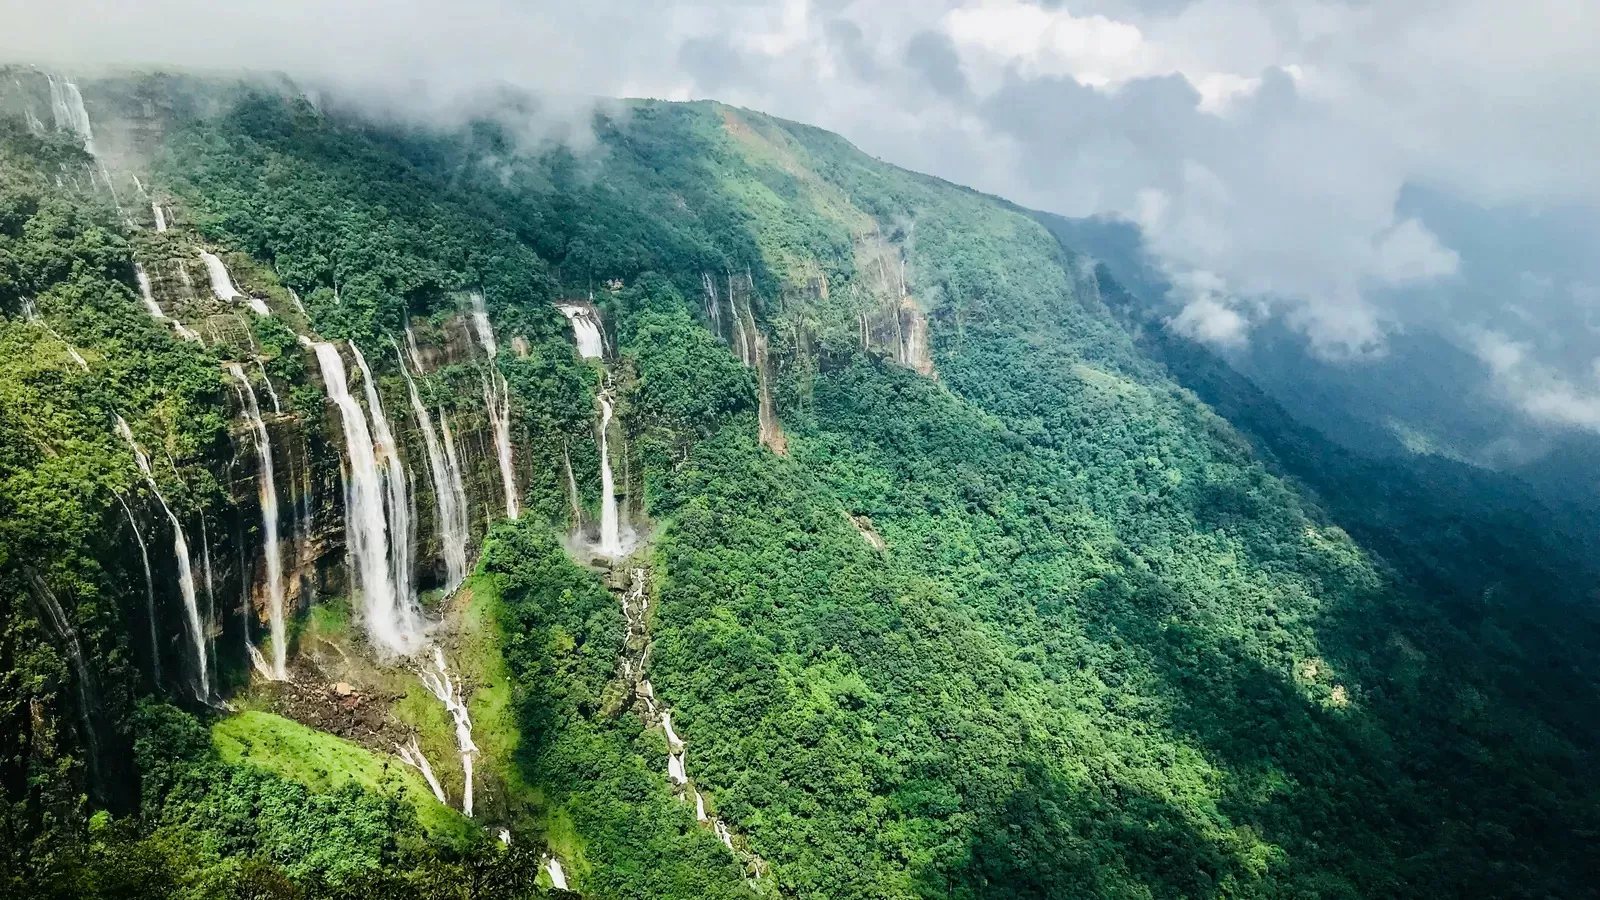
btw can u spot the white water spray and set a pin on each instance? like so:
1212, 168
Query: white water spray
390, 621
585, 330
180, 549
66, 102
448, 690
267, 495
161, 217
448, 495
558, 875
497, 400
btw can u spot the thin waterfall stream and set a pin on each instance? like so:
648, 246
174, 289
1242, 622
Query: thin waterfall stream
497, 400
448, 494
180, 549
267, 496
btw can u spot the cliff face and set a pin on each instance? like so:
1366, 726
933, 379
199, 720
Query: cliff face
856, 548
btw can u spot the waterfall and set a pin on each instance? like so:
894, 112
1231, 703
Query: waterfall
144, 293
205, 563
154, 308
267, 494
266, 380
441, 685
56, 619
572, 488
389, 621
388, 452
449, 496
411, 755
66, 102
221, 282
222, 285
149, 592
31, 313
558, 875
180, 550
161, 217
585, 330
497, 400
610, 533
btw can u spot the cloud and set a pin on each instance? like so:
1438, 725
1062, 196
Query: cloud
1271, 143
1535, 388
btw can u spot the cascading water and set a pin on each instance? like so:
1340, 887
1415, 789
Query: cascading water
161, 217
449, 496
610, 532
31, 313
267, 495
585, 330
222, 285
149, 591
558, 875
154, 308
266, 381
496, 398
397, 490
411, 754
634, 660
442, 686
389, 619
572, 488
68, 636
180, 550
66, 102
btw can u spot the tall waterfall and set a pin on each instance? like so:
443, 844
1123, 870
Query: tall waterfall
267, 494
180, 550
397, 487
161, 217
391, 622
585, 330
449, 497
149, 591
448, 691
497, 399
154, 308
66, 102
610, 532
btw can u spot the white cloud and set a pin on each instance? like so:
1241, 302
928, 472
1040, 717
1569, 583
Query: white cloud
1266, 141
1410, 252
1535, 388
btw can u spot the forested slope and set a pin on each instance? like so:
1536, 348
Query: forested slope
953, 587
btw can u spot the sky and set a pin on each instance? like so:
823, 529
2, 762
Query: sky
1349, 167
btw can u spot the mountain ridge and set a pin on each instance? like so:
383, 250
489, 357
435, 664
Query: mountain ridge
1100, 645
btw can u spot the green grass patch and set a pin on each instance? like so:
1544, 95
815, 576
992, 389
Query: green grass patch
324, 763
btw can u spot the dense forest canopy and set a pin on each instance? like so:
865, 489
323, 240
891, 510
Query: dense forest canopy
961, 575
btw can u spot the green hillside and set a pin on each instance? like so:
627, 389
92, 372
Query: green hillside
955, 591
